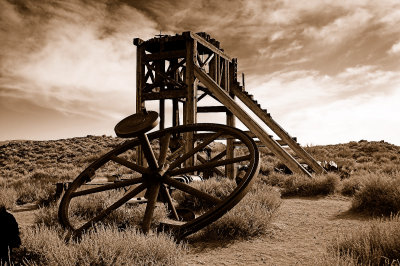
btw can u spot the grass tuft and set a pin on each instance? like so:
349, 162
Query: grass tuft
379, 244
379, 195
102, 246
214, 187
299, 185
250, 218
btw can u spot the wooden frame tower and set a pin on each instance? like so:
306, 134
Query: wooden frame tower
187, 68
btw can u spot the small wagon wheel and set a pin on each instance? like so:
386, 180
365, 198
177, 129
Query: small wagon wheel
157, 180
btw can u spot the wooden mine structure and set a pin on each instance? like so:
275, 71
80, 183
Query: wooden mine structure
190, 67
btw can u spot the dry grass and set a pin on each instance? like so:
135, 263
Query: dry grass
83, 210
378, 195
219, 188
379, 244
320, 185
250, 218
8, 197
32, 168
101, 246
29, 170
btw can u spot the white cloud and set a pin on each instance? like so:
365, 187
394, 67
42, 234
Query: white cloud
85, 61
342, 28
395, 49
361, 102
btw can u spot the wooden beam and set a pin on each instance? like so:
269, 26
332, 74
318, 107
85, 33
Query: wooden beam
167, 94
204, 43
165, 55
246, 119
279, 131
140, 82
189, 106
212, 109
165, 76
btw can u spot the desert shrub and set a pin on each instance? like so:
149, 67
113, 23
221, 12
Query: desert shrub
47, 216
103, 246
273, 179
300, 185
379, 195
28, 193
379, 244
85, 208
219, 188
250, 218
8, 196
350, 186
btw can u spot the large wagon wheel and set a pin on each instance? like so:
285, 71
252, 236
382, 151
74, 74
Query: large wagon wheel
165, 159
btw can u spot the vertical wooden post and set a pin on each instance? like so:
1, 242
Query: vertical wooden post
175, 112
160, 67
213, 67
140, 73
230, 170
189, 108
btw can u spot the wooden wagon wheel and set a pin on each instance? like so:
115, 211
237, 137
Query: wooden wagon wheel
165, 160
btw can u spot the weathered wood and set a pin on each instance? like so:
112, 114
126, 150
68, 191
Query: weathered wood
189, 106
137, 41
246, 119
167, 94
279, 131
165, 76
202, 136
165, 55
206, 44
140, 105
211, 109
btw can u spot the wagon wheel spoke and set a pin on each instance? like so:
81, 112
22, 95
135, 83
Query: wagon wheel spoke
208, 165
190, 190
176, 154
164, 141
198, 148
151, 204
130, 165
203, 161
112, 207
116, 185
171, 206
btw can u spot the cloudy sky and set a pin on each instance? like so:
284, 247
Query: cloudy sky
327, 71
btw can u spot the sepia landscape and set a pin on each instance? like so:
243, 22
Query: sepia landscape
346, 217
159, 132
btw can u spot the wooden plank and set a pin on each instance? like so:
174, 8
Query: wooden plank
212, 109
202, 136
189, 106
204, 43
140, 82
165, 55
260, 144
167, 94
230, 170
165, 76
246, 119
279, 131
175, 112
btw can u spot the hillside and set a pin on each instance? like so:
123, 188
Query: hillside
313, 213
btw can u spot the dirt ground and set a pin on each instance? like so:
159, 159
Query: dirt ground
301, 230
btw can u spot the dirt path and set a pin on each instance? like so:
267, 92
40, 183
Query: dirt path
301, 231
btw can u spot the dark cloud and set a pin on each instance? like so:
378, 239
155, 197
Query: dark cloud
76, 58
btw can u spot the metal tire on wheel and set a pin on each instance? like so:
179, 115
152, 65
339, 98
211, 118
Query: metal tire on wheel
158, 180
